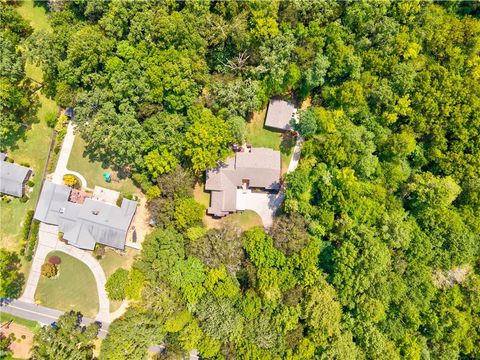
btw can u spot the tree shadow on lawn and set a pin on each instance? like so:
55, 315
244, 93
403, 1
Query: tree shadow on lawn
288, 142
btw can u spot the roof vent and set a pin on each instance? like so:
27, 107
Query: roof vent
62, 210
95, 212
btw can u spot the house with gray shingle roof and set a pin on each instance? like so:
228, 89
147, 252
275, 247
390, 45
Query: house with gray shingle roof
13, 177
279, 114
257, 168
84, 225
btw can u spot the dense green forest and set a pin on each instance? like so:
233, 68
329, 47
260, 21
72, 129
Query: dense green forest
377, 251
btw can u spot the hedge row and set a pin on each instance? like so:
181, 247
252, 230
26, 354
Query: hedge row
33, 240
26, 230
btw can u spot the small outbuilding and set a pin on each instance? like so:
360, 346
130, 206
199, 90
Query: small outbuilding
13, 177
280, 114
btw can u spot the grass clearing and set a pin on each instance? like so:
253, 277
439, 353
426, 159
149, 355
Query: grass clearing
93, 170
258, 136
35, 14
74, 288
244, 220
31, 149
113, 260
200, 195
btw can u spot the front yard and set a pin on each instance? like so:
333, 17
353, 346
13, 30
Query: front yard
74, 288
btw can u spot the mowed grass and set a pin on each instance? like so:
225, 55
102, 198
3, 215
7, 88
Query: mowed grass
31, 149
93, 170
244, 220
259, 136
74, 288
35, 14
113, 260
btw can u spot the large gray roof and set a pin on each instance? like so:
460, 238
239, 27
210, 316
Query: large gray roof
85, 224
260, 166
12, 177
279, 114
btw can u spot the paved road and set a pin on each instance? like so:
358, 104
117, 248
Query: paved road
42, 315
47, 242
62, 162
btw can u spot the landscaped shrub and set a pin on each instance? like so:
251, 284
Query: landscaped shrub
71, 180
55, 260
119, 200
51, 119
99, 251
49, 270
60, 235
10, 160
116, 284
6, 199
27, 224
30, 183
24, 199
142, 181
26, 164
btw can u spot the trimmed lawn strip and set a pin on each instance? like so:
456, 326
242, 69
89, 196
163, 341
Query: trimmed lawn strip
74, 288
244, 220
32, 325
93, 170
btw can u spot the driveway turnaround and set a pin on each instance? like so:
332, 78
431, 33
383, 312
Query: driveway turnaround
65, 151
47, 242
264, 204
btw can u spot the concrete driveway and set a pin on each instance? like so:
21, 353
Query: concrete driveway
47, 242
264, 204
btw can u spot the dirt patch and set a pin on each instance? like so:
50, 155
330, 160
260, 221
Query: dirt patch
140, 224
22, 344
446, 279
306, 103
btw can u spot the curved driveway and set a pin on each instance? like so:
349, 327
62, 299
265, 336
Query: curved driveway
47, 242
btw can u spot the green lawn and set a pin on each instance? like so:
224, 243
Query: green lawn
113, 260
32, 149
74, 288
258, 136
32, 325
36, 15
93, 170
245, 220
200, 195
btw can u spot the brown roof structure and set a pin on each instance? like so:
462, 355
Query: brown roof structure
279, 114
256, 168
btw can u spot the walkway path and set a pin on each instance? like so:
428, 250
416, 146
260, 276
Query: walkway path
47, 242
62, 162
